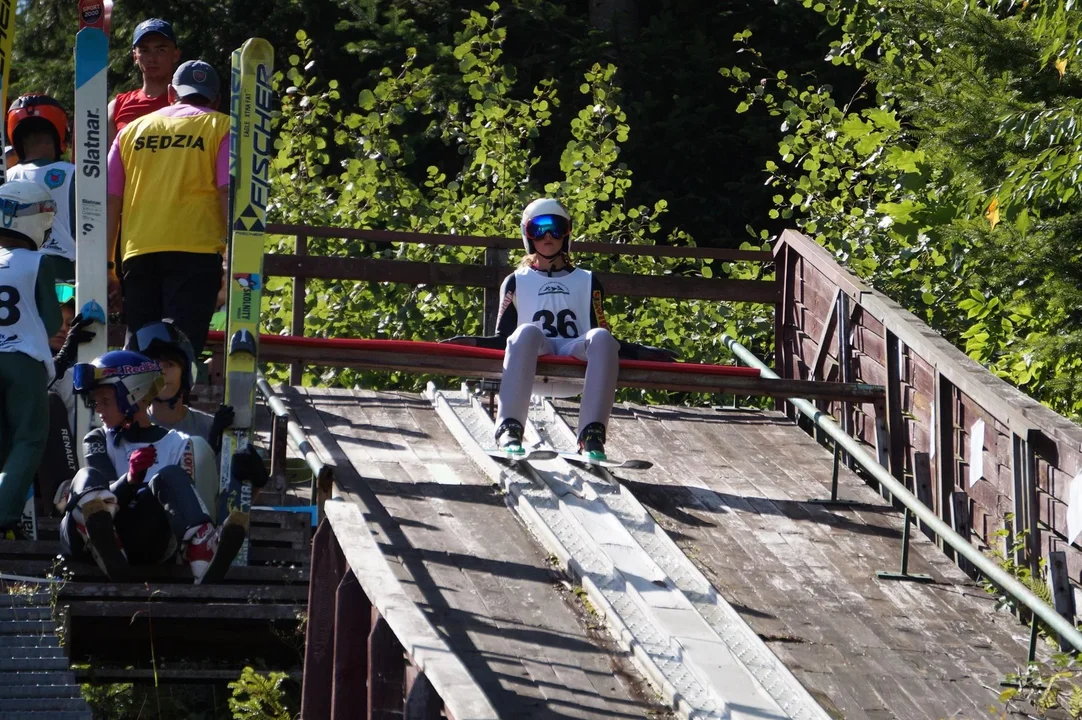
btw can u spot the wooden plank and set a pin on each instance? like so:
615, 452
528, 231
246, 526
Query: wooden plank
922, 473
962, 526
392, 236
260, 555
235, 612
422, 273
160, 592
96, 674
328, 567
422, 702
37, 567
386, 671
1059, 582
822, 347
352, 625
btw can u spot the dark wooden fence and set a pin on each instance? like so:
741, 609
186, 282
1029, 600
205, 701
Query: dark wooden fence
970, 445
302, 267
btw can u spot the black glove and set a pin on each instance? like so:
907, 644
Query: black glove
248, 467
223, 419
634, 351
492, 342
77, 335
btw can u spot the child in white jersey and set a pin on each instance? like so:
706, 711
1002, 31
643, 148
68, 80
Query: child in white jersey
38, 129
134, 503
29, 315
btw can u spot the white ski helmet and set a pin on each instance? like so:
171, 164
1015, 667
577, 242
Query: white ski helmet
542, 215
26, 211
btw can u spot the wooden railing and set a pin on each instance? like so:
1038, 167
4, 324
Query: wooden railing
301, 267
968, 444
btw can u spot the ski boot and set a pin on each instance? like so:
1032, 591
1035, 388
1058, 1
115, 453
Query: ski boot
592, 441
102, 540
509, 437
211, 550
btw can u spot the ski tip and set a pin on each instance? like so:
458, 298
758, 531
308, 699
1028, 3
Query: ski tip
93, 311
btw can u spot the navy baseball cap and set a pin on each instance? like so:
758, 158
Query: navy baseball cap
196, 77
153, 25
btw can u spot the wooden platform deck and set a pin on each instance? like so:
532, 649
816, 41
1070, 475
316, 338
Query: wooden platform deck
528, 640
730, 487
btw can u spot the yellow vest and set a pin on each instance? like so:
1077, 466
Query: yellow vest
171, 186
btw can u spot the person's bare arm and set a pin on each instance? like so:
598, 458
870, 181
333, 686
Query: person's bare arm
111, 113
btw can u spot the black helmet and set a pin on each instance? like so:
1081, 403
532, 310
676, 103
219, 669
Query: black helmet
163, 339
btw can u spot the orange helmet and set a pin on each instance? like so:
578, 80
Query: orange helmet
33, 110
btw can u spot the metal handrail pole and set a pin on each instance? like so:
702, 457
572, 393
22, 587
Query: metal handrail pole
293, 428
961, 545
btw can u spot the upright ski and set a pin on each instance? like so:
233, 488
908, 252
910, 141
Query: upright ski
250, 146
91, 248
7, 36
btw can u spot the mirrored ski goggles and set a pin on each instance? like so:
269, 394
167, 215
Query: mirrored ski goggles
65, 292
85, 377
14, 208
560, 227
147, 335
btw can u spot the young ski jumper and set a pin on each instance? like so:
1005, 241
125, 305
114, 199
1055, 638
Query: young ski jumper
29, 315
39, 130
164, 342
134, 502
169, 173
155, 52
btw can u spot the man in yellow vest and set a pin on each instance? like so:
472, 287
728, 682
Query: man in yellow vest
169, 175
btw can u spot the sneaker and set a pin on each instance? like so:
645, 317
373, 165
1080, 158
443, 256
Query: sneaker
210, 550
103, 541
592, 441
509, 436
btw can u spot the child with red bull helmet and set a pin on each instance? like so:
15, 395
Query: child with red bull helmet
39, 130
134, 502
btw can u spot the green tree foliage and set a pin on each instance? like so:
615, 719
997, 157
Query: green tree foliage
479, 188
949, 179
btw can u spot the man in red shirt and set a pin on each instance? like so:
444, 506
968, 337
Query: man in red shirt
155, 51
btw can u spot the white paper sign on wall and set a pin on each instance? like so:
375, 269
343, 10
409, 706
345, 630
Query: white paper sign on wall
1074, 508
976, 452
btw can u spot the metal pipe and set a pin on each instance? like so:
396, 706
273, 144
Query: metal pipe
961, 545
320, 470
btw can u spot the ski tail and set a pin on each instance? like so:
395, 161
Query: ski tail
250, 146
91, 127
7, 37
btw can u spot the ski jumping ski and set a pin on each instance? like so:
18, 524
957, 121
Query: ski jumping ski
91, 273
525, 456
580, 459
7, 36
250, 146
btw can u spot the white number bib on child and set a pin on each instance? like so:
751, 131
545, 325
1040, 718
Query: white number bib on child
21, 327
173, 449
560, 306
57, 178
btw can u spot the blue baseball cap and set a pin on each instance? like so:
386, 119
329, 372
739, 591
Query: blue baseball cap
196, 77
153, 25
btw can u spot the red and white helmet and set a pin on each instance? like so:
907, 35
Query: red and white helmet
546, 215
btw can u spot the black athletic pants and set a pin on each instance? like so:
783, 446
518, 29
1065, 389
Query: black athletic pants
152, 519
179, 285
